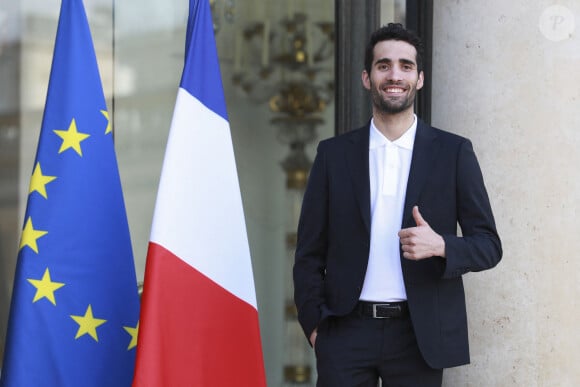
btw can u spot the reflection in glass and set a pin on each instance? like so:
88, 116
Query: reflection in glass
140, 55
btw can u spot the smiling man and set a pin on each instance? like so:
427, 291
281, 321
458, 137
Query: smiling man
378, 267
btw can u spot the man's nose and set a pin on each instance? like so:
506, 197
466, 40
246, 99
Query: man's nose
395, 74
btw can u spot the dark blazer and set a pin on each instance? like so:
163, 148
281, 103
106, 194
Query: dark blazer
445, 181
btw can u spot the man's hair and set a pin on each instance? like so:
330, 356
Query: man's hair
393, 31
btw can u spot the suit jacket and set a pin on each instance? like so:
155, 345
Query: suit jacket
445, 181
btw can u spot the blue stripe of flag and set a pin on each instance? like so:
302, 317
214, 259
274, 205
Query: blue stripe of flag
201, 72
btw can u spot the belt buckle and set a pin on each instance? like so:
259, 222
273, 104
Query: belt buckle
388, 305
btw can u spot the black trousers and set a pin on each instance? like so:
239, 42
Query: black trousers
357, 351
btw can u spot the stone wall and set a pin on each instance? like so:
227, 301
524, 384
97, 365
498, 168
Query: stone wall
506, 75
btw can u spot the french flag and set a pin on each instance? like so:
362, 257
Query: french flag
199, 319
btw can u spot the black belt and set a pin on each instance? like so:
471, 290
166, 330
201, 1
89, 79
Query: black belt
383, 309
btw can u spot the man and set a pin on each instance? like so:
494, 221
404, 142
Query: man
378, 264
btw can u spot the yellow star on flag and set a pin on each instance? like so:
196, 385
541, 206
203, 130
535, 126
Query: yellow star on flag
88, 324
71, 138
109, 128
39, 181
30, 235
45, 288
133, 332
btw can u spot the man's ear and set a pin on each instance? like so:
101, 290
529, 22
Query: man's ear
365, 80
421, 80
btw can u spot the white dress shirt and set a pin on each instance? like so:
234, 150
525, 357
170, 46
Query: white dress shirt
389, 164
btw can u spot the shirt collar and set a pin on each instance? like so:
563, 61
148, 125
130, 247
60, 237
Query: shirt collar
406, 141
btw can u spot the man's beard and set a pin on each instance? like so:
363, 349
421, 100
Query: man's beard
388, 106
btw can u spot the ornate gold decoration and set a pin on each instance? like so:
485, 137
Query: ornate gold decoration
287, 64
297, 374
291, 311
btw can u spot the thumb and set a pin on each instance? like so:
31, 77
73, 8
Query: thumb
418, 218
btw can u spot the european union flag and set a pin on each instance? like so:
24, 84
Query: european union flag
75, 305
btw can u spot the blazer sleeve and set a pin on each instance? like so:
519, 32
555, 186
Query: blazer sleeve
310, 256
479, 246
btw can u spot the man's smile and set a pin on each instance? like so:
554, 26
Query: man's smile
394, 90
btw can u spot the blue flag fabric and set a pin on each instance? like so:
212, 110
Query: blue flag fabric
201, 58
75, 305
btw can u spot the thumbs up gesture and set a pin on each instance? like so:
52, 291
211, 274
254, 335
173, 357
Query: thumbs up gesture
421, 241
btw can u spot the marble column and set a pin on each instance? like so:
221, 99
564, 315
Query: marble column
506, 75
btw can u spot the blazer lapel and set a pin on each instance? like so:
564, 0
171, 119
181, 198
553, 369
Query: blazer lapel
424, 151
357, 157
